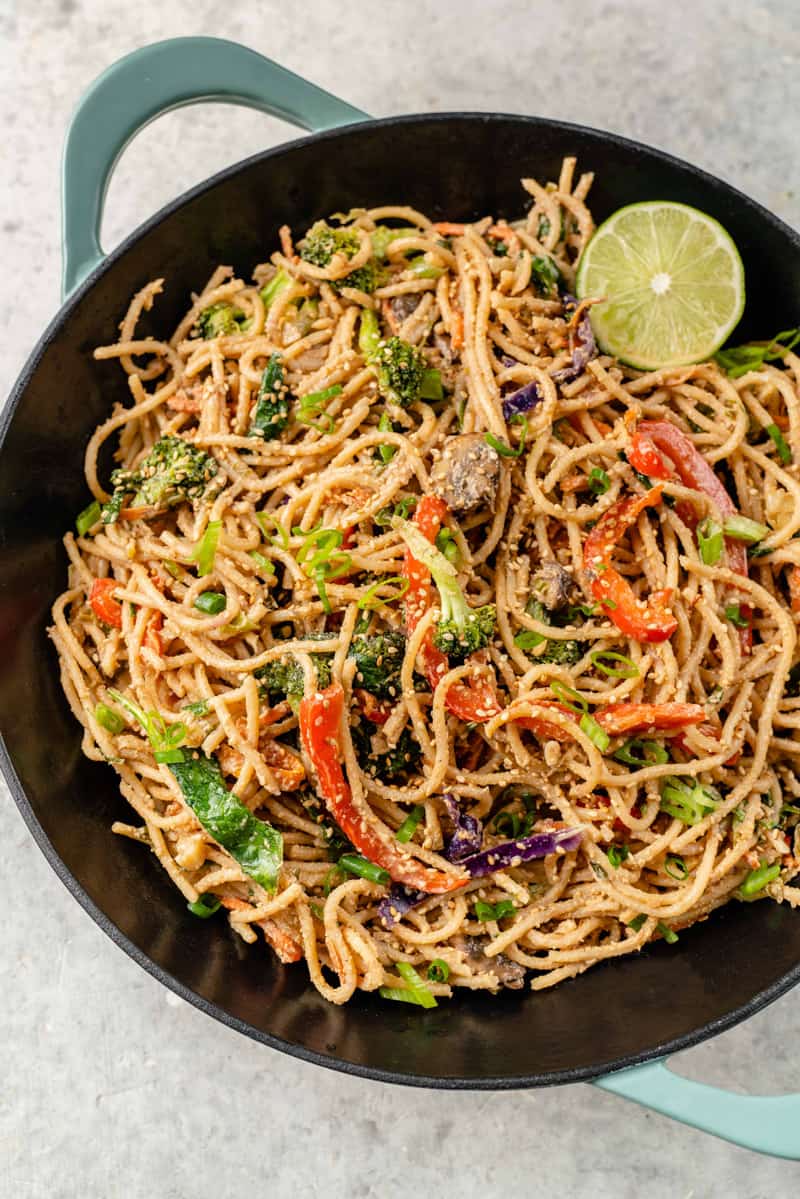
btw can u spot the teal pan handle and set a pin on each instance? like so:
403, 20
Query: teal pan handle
765, 1123
153, 81
167, 75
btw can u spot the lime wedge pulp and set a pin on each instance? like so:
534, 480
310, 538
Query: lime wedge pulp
672, 284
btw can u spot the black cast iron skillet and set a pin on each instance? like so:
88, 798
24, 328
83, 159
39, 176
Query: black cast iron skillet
460, 166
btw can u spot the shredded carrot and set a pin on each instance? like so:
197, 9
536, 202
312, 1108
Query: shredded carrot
285, 946
233, 904
457, 329
449, 228
794, 588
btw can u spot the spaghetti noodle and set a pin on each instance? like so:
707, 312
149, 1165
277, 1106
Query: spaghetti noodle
424, 799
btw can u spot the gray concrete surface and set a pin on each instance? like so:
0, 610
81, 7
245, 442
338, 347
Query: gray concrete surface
112, 1087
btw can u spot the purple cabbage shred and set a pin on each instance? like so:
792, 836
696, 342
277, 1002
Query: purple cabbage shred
468, 833
584, 348
523, 849
522, 401
400, 900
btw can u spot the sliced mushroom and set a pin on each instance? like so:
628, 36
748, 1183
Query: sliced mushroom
552, 585
508, 974
468, 473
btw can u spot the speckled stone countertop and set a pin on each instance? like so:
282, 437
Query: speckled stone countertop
111, 1086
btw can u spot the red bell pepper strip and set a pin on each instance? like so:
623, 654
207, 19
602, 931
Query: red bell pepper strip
152, 637
376, 710
476, 700
694, 472
649, 620
103, 604
320, 722
618, 719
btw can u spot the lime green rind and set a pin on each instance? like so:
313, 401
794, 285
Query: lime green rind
706, 294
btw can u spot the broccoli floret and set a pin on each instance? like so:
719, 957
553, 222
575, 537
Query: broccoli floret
322, 242
392, 765
283, 678
219, 320
461, 630
465, 632
378, 661
271, 415
173, 472
401, 371
562, 653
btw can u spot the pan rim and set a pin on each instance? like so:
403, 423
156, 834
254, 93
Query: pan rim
329, 1060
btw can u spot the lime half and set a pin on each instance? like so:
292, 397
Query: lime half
673, 284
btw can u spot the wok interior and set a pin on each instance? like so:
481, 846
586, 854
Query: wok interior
460, 168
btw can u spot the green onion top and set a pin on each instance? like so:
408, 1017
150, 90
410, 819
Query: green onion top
710, 541
741, 528
354, 863
759, 878
211, 602
627, 668
408, 827
86, 519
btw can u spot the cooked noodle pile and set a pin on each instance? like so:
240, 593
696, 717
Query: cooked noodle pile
678, 809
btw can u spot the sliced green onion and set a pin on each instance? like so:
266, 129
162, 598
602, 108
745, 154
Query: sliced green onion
263, 563
369, 334
502, 447
311, 409
599, 481
438, 971
568, 696
108, 719
637, 921
87, 518
609, 604
527, 639
329, 881
733, 613
741, 528
759, 878
267, 522
370, 599
168, 755
430, 387
415, 984
675, 867
400, 511
781, 444
401, 995
206, 548
507, 824
689, 803
667, 933
617, 854
202, 908
638, 752
198, 707
317, 910
211, 602
414, 991
173, 568
386, 452
595, 732
709, 541
353, 863
576, 610
408, 827
424, 269
626, 670
488, 911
